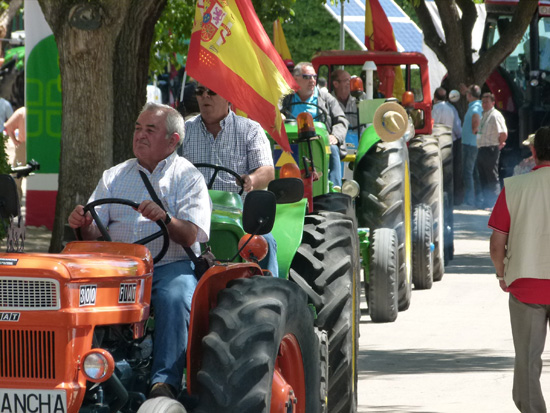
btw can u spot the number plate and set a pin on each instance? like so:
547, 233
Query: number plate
33, 401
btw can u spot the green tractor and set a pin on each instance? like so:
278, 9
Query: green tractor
398, 244
318, 252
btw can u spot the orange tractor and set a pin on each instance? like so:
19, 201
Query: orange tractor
76, 328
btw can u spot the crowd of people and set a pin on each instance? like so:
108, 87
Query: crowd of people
477, 143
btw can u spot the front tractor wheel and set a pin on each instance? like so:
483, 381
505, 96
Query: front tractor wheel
262, 353
422, 247
381, 285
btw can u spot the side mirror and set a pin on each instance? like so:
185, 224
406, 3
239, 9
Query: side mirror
259, 212
287, 190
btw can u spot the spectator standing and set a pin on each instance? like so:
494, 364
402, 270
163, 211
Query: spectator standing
445, 113
491, 139
454, 96
519, 251
14, 127
470, 128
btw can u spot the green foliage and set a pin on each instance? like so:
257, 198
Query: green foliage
408, 8
173, 30
4, 165
311, 30
172, 34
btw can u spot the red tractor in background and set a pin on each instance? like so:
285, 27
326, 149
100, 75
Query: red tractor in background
521, 84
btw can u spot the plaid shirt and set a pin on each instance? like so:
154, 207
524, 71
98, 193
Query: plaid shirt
241, 146
491, 126
179, 186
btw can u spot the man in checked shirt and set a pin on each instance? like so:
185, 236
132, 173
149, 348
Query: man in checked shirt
220, 137
181, 188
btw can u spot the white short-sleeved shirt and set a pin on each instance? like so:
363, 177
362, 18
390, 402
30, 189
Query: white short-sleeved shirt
181, 189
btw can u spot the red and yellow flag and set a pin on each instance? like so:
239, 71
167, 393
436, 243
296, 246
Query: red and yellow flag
279, 40
378, 30
231, 53
379, 36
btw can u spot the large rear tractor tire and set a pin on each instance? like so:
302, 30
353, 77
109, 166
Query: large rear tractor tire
422, 247
323, 267
445, 138
382, 174
383, 273
427, 188
342, 203
261, 330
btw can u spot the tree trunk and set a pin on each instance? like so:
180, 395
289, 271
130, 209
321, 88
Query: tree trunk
131, 67
87, 36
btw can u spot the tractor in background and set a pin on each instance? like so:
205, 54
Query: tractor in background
397, 180
521, 84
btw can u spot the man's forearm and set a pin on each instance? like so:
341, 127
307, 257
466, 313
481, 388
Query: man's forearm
182, 232
497, 248
262, 176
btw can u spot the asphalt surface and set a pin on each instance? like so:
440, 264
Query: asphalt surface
452, 350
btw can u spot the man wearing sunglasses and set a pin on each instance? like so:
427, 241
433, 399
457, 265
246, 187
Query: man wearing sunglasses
308, 98
218, 136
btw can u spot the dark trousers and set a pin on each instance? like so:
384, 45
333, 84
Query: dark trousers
487, 165
458, 182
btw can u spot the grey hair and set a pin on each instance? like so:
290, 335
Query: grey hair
174, 121
297, 71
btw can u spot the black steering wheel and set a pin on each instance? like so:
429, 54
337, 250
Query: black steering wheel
217, 169
322, 114
105, 234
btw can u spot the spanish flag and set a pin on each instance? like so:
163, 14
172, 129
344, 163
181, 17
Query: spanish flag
231, 53
279, 40
379, 36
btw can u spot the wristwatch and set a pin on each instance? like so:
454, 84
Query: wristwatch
168, 218
499, 277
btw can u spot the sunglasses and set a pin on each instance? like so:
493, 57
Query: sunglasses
200, 91
307, 77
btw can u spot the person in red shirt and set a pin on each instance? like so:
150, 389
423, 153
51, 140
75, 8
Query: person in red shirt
518, 248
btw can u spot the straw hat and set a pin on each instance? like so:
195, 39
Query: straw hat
390, 121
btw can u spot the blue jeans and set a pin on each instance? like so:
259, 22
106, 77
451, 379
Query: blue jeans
335, 171
270, 261
469, 156
173, 288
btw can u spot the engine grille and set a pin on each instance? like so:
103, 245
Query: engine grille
27, 354
29, 294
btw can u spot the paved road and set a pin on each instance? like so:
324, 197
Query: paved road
452, 351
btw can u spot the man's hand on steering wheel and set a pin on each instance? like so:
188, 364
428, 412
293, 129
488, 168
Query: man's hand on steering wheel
247, 183
78, 219
150, 210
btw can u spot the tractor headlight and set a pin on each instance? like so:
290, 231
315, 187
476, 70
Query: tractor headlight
98, 365
350, 188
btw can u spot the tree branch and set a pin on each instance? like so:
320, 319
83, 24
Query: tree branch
507, 42
431, 37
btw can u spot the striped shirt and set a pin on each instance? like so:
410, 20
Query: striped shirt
241, 146
179, 186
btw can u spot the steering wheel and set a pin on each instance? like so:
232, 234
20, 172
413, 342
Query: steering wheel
163, 230
322, 114
217, 169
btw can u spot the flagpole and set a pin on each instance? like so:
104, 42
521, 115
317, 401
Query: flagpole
342, 37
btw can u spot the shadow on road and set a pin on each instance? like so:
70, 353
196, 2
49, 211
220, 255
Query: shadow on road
382, 362
470, 264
